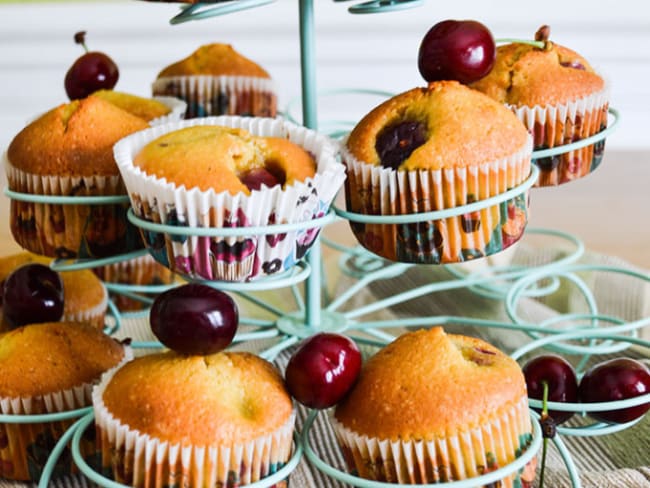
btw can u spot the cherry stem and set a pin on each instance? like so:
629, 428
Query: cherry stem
542, 468
538, 44
80, 38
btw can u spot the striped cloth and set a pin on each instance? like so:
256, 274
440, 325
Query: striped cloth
620, 460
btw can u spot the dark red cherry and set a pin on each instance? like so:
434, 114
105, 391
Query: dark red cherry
92, 71
32, 294
255, 178
462, 50
323, 369
616, 379
561, 378
194, 319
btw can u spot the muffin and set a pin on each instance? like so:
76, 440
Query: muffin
84, 296
48, 368
220, 172
140, 271
431, 149
217, 80
229, 409
560, 98
68, 152
452, 407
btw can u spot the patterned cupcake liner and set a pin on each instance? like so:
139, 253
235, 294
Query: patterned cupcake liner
458, 456
26, 447
207, 95
557, 125
139, 460
143, 270
95, 316
374, 190
232, 258
70, 230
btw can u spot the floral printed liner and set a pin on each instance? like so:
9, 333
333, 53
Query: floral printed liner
221, 95
74, 230
232, 258
455, 457
374, 190
557, 125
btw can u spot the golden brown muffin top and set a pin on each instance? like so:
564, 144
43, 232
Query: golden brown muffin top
427, 383
216, 157
444, 125
73, 139
145, 108
45, 358
202, 400
215, 59
13, 261
527, 75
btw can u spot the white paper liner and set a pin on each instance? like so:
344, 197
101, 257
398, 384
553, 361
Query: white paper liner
149, 461
177, 108
208, 95
69, 231
375, 190
560, 124
27, 446
458, 456
94, 316
232, 258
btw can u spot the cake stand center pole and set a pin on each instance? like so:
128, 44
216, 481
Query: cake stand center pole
310, 120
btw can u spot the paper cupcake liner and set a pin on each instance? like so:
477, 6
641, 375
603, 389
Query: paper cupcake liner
25, 448
95, 316
177, 108
137, 459
374, 190
207, 95
143, 270
70, 231
232, 258
556, 125
460, 455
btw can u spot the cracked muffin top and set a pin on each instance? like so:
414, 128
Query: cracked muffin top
444, 125
214, 59
73, 139
527, 75
201, 400
427, 383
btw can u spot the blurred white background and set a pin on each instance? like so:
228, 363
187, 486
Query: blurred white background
379, 51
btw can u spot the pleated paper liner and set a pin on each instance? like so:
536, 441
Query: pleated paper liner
232, 258
557, 125
208, 95
70, 230
137, 459
374, 190
95, 316
459, 455
26, 447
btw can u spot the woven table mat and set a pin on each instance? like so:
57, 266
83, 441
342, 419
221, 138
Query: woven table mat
620, 460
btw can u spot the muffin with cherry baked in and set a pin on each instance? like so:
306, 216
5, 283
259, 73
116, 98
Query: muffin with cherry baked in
48, 368
432, 407
217, 80
437, 148
560, 98
220, 172
228, 409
